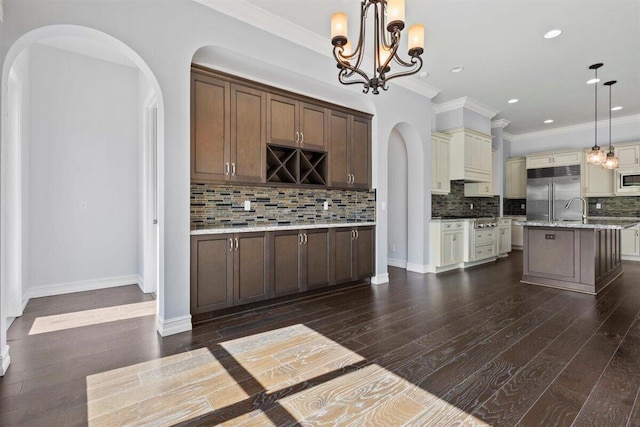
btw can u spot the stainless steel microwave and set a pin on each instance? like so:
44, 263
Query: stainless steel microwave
628, 181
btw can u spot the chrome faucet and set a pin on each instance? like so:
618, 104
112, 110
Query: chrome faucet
584, 207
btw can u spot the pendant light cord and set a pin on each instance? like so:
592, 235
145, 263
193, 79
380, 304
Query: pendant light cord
595, 119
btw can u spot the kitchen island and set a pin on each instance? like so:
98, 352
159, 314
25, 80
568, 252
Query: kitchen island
573, 255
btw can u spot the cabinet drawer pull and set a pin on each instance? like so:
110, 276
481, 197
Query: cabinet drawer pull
230, 244
236, 244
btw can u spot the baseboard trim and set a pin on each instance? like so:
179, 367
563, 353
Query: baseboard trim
173, 326
80, 286
393, 262
418, 268
140, 283
4, 361
380, 279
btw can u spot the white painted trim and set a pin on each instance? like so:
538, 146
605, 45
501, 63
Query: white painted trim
465, 102
500, 123
150, 195
1, 11
575, 128
4, 361
380, 279
140, 283
418, 268
630, 258
290, 31
10, 322
25, 300
81, 286
173, 326
393, 262
508, 136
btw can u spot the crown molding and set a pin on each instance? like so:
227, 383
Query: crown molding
508, 136
576, 128
469, 104
500, 123
257, 17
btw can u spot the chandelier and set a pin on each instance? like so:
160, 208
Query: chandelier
388, 22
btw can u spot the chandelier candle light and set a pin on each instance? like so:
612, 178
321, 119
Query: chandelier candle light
597, 155
611, 162
386, 41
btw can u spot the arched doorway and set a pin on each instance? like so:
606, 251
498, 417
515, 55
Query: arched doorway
149, 164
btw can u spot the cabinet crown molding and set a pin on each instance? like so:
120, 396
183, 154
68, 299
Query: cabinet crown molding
500, 123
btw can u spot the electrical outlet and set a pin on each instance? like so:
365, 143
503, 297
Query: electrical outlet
471, 206
522, 206
325, 206
393, 248
383, 206
247, 205
598, 205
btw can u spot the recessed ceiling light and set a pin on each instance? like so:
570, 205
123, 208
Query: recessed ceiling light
456, 69
512, 100
619, 107
552, 34
592, 81
423, 75
548, 121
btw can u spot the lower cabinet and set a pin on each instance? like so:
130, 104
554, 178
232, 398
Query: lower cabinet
353, 252
299, 261
630, 242
227, 270
241, 268
504, 236
447, 242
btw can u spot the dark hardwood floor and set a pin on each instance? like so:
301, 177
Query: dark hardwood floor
473, 347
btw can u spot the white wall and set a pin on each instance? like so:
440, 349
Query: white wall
83, 193
398, 201
623, 130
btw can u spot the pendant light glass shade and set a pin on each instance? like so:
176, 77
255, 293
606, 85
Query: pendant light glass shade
597, 155
611, 162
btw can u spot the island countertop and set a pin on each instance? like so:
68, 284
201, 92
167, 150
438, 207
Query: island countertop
600, 224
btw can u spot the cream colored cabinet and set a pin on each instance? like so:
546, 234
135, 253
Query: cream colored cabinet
630, 242
596, 181
504, 236
560, 158
628, 155
470, 156
517, 233
440, 182
447, 243
516, 176
482, 189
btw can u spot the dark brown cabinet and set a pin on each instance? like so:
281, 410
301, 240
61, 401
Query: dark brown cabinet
227, 270
296, 123
353, 254
228, 131
350, 151
300, 261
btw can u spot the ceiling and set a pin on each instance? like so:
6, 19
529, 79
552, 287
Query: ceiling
500, 44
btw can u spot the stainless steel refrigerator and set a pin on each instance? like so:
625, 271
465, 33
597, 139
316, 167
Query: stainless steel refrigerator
549, 190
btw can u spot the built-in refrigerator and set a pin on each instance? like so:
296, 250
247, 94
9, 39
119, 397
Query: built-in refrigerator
549, 190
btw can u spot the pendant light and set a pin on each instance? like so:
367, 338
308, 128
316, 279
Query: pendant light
597, 155
611, 162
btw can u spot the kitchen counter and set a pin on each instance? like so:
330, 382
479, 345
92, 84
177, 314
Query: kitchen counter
572, 255
250, 229
601, 224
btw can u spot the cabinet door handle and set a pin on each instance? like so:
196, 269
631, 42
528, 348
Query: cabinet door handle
302, 137
300, 239
226, 168
230, 244
297, 136
233, 169
353, 235
357, 234
237, 244
306, 238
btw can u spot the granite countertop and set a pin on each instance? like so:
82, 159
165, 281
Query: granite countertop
601, 224
247, 229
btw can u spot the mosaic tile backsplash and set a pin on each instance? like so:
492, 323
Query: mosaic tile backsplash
222, 206
627, 206
455, 204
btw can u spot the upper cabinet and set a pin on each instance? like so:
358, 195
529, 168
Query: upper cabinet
440, 181
628, 155
560, 158
246, 132
482, 189
228, 133
596, 181
516, 177
295, 123
475, 148
350, 151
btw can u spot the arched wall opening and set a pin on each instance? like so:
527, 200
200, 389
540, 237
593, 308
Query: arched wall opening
144, 158
397, 219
